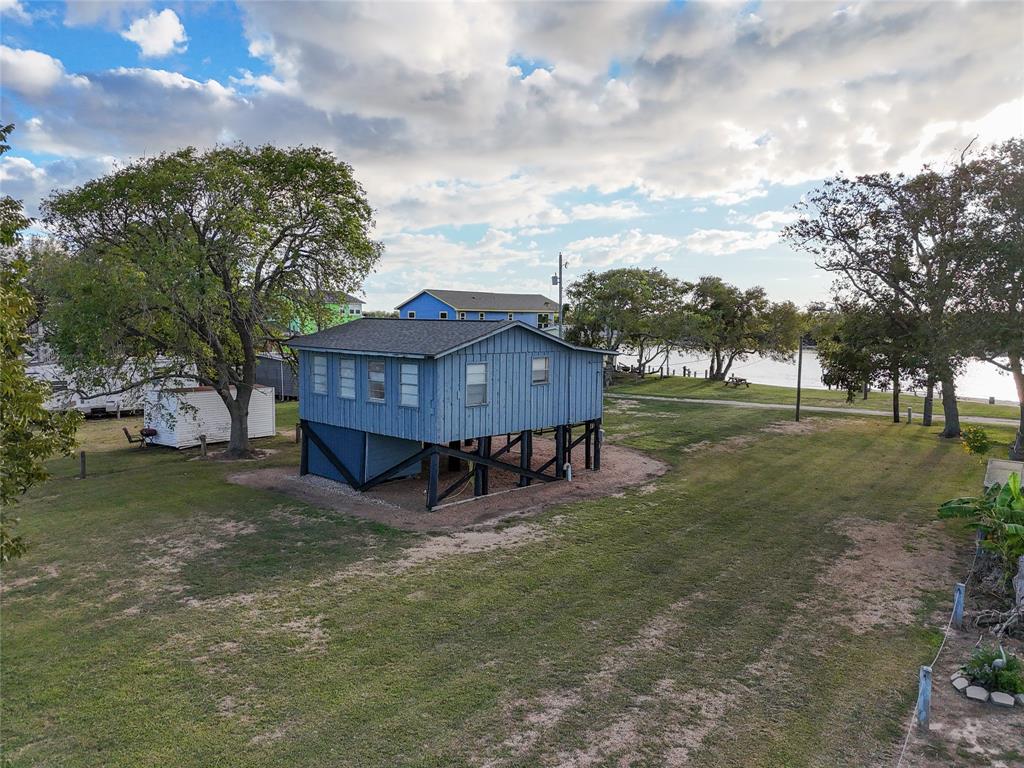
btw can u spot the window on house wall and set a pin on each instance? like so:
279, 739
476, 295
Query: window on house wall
476, 383
543, 320
410, 385
375, 380
412, 314
319, 374
347, 378
511, 316
482, 315
443, 314
541, 373
462, 315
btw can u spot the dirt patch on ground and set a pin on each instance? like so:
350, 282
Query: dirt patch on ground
881, 578
738, 442
43, 572
401, 503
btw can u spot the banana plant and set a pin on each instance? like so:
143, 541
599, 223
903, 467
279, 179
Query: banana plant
999, 515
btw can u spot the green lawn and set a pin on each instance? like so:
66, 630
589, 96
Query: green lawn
677, 386
164, 617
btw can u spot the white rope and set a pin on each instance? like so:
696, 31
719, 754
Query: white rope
945, 636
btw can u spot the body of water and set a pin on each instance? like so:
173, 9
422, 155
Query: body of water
979, 380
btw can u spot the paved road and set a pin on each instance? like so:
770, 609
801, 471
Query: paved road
805, 408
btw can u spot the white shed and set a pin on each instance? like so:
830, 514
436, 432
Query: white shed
181, 415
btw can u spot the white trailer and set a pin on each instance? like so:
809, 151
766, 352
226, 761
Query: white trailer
181, 415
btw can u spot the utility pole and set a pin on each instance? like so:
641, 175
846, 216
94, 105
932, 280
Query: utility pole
799, 374
557, 280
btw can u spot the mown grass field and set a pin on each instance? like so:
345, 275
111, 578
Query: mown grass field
677, 386
165, 617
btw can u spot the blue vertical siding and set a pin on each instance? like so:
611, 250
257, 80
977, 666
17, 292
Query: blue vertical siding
426, 307
574, 393
387, 418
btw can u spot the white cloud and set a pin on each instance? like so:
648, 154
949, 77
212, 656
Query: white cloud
158, 34
33, 73
624, 248
620, 209
15, 11
721, 242
772, 219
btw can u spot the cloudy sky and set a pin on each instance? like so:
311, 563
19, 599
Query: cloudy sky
489, 137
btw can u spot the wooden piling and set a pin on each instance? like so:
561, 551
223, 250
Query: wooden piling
924, 697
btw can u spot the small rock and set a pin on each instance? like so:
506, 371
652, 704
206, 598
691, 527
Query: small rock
1020, 699
955, 675
960, 683
977, 693
1002, 699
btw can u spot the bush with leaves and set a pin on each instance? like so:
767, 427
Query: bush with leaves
975, 441
999, 515
995, 670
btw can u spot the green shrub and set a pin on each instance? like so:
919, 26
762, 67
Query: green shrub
999, 515
982, 670
975, 441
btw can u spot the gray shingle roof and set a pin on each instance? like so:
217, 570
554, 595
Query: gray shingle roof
412, 338
477, 301
391, 336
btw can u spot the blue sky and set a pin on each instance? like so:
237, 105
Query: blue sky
491, 136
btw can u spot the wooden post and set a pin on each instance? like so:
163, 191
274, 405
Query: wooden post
910, 414
481, 477
454, 462
81, 465
598, 438
202, 446
435, 462
559, 450
924, 697
588, 432
303, 450
959, 592
298, 432
524, 455
568, 443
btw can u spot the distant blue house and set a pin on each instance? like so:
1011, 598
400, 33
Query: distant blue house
379, 397
436, 304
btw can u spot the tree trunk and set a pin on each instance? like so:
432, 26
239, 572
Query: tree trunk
866, 389
238, 407
950, 410
895, 376
928, 404
1017, 449
728, 366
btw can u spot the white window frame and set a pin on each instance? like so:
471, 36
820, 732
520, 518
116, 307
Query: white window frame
409, 385
319, 374
370, 381
473, 369
443, 314
347, 375
546, 321
462, 315
546, 370
411, 314
511, 315
482, 316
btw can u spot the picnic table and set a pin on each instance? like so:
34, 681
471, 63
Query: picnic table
737, 381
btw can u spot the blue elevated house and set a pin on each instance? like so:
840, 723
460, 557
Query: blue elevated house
380, 398
436, 304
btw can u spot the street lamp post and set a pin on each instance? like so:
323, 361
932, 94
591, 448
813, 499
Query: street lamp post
799, 374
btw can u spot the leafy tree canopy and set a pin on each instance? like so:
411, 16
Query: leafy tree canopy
196, 261
29, 434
